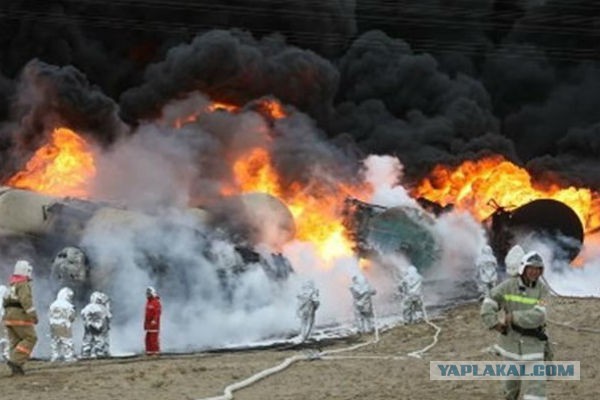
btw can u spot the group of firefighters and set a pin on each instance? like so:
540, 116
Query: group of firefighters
18, 336
409, 290
515, 308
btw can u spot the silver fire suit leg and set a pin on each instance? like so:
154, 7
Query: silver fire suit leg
62, 348
308, 321
95, 345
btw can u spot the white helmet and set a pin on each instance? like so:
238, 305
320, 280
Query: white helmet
151, 291
22, 267
531, 259
412, 270
99, 298
65, 294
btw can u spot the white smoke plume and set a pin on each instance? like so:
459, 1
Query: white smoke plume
385, 173
579, 278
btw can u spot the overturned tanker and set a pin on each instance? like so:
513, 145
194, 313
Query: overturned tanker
56, 228
405, 230
409, 230
546, 220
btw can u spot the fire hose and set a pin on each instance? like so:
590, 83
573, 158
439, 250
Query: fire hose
332, 354
228, 391
419, 353
324, 355
567, 325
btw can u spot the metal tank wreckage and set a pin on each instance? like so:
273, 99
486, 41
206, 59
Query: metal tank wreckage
409, 230
53, 228
56, 226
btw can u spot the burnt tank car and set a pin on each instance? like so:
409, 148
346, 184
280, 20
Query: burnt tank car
543, 219
378, 230
408, 230
53, 227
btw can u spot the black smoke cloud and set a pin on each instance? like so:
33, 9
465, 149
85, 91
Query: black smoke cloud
234, 67
48, 96
428, 81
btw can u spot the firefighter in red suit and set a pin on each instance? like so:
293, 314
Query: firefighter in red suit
152, 321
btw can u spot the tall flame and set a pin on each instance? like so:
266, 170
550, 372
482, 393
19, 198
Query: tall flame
254, 173
62, 167
315, 209
473, 184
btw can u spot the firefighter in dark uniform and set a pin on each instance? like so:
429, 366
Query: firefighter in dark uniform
20, 317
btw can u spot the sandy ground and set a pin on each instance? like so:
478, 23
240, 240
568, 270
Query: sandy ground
375, 371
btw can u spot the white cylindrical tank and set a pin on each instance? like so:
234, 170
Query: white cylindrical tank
270, 217
109, 219
23, 211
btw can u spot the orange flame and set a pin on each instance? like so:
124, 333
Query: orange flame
269, 108
62, 167
219, 106
254, 173
272, 108
316, 208
473, 184
212, 107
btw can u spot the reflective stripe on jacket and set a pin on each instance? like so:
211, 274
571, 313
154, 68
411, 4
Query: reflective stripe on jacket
528, 308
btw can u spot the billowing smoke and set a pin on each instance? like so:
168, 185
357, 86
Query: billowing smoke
414, 83
428, 82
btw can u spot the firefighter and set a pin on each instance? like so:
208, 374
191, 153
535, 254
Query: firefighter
152, 321
513, 259
96, 324
522, 299
362, 294
3, 338
487, 274
308, 302
411, 295
62, 316
20, 317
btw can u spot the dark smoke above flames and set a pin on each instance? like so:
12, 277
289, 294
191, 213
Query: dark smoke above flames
427, 81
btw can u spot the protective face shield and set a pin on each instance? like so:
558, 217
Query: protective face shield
104, 299
531, 259
359, 279
24, 268
97, 298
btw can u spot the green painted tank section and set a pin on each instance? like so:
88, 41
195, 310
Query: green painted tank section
405, 230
